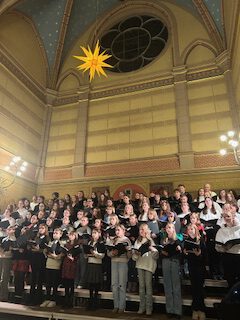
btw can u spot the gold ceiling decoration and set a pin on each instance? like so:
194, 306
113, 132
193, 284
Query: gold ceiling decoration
94, 61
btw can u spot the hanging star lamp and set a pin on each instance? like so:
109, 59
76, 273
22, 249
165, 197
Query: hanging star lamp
94, 61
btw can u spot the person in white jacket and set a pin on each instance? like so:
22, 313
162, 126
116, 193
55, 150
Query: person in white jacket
145, 255
228, 243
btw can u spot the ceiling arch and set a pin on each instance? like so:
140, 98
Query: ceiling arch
61, 22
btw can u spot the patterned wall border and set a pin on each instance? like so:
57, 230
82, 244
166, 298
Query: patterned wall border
191, 76
66, 100
214, 160
57, 174
142, 168
133, 168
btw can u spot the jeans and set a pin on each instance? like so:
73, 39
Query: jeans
80, 278
172, 285
119, 284
145, 290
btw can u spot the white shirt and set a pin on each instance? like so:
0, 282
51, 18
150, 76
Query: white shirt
211, 216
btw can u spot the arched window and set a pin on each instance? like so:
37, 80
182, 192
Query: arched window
134, 42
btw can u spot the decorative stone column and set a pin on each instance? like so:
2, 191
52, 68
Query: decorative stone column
50, 98
223, 61
78, 169
186, 157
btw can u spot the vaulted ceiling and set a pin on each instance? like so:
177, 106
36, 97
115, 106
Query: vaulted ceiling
59, 23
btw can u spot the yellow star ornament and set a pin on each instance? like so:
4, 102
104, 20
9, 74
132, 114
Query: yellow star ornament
93, 61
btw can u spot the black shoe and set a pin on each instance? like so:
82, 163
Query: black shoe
90, 304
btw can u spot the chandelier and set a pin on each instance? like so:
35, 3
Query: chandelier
15, 168
232, 140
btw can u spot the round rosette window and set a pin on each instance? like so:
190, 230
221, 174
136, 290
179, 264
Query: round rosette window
134, 42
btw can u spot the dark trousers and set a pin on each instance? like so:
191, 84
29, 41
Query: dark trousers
94, 289
196, 274
19, 279
52, 282
213, 256
38, 276
69, 292
107, 271
231, 266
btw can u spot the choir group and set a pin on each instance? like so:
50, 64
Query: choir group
121, 245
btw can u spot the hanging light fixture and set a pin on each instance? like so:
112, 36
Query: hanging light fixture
232, 140
16, 168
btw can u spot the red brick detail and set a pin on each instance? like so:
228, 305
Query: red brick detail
214, 160
51, 174
135, 167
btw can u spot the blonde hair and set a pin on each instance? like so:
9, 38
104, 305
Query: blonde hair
148, 231
153, 212
58, 229
197, 233
167, 239
195, 214
121, 226
112, 208
113, 215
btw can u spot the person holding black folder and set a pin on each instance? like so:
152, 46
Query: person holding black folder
6, 262
95, 251
228, 243
171, 253
209, 216
20, 263
119, 265
54, 255
194, 249
84, 235
69, 267
132, 232
145, 254
38, 263
5, 222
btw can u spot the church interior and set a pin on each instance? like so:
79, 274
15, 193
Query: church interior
158, 124
151, 124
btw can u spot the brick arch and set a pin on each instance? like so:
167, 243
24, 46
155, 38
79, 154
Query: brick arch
133, 187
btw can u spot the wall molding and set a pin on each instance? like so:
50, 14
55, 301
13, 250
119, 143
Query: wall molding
166, 166
11, 65
143, 86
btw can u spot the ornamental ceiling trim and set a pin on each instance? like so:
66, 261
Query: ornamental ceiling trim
204, 74
66, 100
130, 89
154, 84
11, 65
137, 87
210, 24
